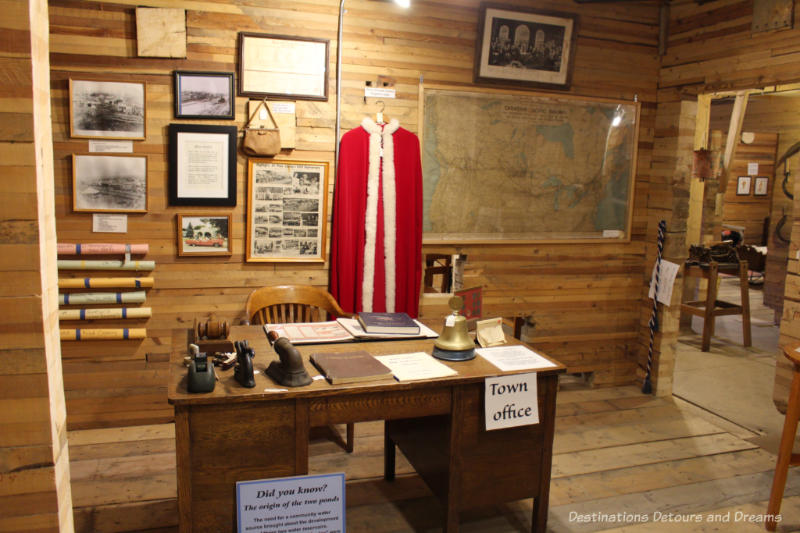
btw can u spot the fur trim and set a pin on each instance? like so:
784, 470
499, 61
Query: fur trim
380, 137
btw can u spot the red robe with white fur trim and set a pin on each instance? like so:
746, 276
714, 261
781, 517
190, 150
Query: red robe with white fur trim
354, 238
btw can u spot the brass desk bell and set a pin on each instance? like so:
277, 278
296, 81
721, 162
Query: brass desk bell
454, 344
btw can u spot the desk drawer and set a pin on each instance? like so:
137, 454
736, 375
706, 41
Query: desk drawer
384, 405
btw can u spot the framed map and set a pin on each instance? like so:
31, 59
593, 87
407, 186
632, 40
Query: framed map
520, 166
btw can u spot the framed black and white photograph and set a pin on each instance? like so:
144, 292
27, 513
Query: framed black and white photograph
107, 109
287, 210
202, 165
761, 186
110, 183
743, 185
204, 234
204, 95
279, 66
525, 47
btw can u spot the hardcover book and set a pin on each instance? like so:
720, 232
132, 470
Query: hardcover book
350, 367
394, 323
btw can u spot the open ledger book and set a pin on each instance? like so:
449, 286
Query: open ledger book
339, 330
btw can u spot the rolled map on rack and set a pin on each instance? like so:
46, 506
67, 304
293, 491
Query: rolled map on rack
82, 334
105, 314
92, 298
101, 249
104, 283
82, 264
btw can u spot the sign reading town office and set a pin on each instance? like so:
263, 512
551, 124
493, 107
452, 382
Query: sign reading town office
511, 401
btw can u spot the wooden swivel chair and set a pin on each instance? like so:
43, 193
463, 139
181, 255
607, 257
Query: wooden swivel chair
283, 304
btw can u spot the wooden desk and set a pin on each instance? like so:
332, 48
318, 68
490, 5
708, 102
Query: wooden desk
236, 434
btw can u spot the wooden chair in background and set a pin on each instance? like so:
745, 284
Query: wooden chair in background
284, 304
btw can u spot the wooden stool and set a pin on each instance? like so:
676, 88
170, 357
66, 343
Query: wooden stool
785, 456
711, 307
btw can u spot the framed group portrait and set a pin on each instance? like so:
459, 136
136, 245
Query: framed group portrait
519, 46
286, 210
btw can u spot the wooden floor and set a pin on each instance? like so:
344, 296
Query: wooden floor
620, 458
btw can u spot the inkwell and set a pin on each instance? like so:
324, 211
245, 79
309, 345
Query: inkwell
289, 371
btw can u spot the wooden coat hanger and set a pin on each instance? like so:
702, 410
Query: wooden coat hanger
380, 117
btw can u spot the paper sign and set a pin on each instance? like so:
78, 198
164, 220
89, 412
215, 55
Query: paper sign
508, 358
511, 401
666, 279
105, 223
283, 108
378, 92
752, 168
120, 147
302, 503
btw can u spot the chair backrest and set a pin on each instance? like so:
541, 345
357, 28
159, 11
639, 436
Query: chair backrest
292, 303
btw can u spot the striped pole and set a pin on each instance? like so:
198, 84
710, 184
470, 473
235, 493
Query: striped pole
105, 283
94, 298
94, 248
82, 264
121, 313
119, 334
647, 386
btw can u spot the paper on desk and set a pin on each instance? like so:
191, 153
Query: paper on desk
666, 279
514, 358
413, 366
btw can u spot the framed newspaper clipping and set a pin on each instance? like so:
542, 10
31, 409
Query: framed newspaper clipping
286, 210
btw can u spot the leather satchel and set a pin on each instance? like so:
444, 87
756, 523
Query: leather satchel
261, 141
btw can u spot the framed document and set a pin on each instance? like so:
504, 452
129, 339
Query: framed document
743, 186
112, 183
278, 66
202, 165
204, 234
525, 47
286, 210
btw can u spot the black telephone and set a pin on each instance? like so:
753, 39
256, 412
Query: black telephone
201, 372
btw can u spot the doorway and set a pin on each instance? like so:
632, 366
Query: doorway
731, 380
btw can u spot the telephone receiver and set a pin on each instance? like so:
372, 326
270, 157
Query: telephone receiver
201, 372
243, 371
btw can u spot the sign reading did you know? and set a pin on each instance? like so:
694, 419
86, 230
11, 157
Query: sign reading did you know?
313, 504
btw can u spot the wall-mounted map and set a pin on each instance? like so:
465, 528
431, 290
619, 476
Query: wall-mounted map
499, 165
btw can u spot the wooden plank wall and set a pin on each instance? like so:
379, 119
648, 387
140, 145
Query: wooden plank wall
711, 48
35, 490
584, 298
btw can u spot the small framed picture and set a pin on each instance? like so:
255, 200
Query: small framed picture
204, 94
743, 186
110, 183
202, 165
762, 186
204, 234
106, 110
286, 210
525, 47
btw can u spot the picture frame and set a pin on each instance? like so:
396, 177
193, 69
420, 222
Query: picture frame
202, 165
517, 46
204, 234
110, 183
761, 186
280, 66
743, 186
107, 109
286, 210
204, 95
